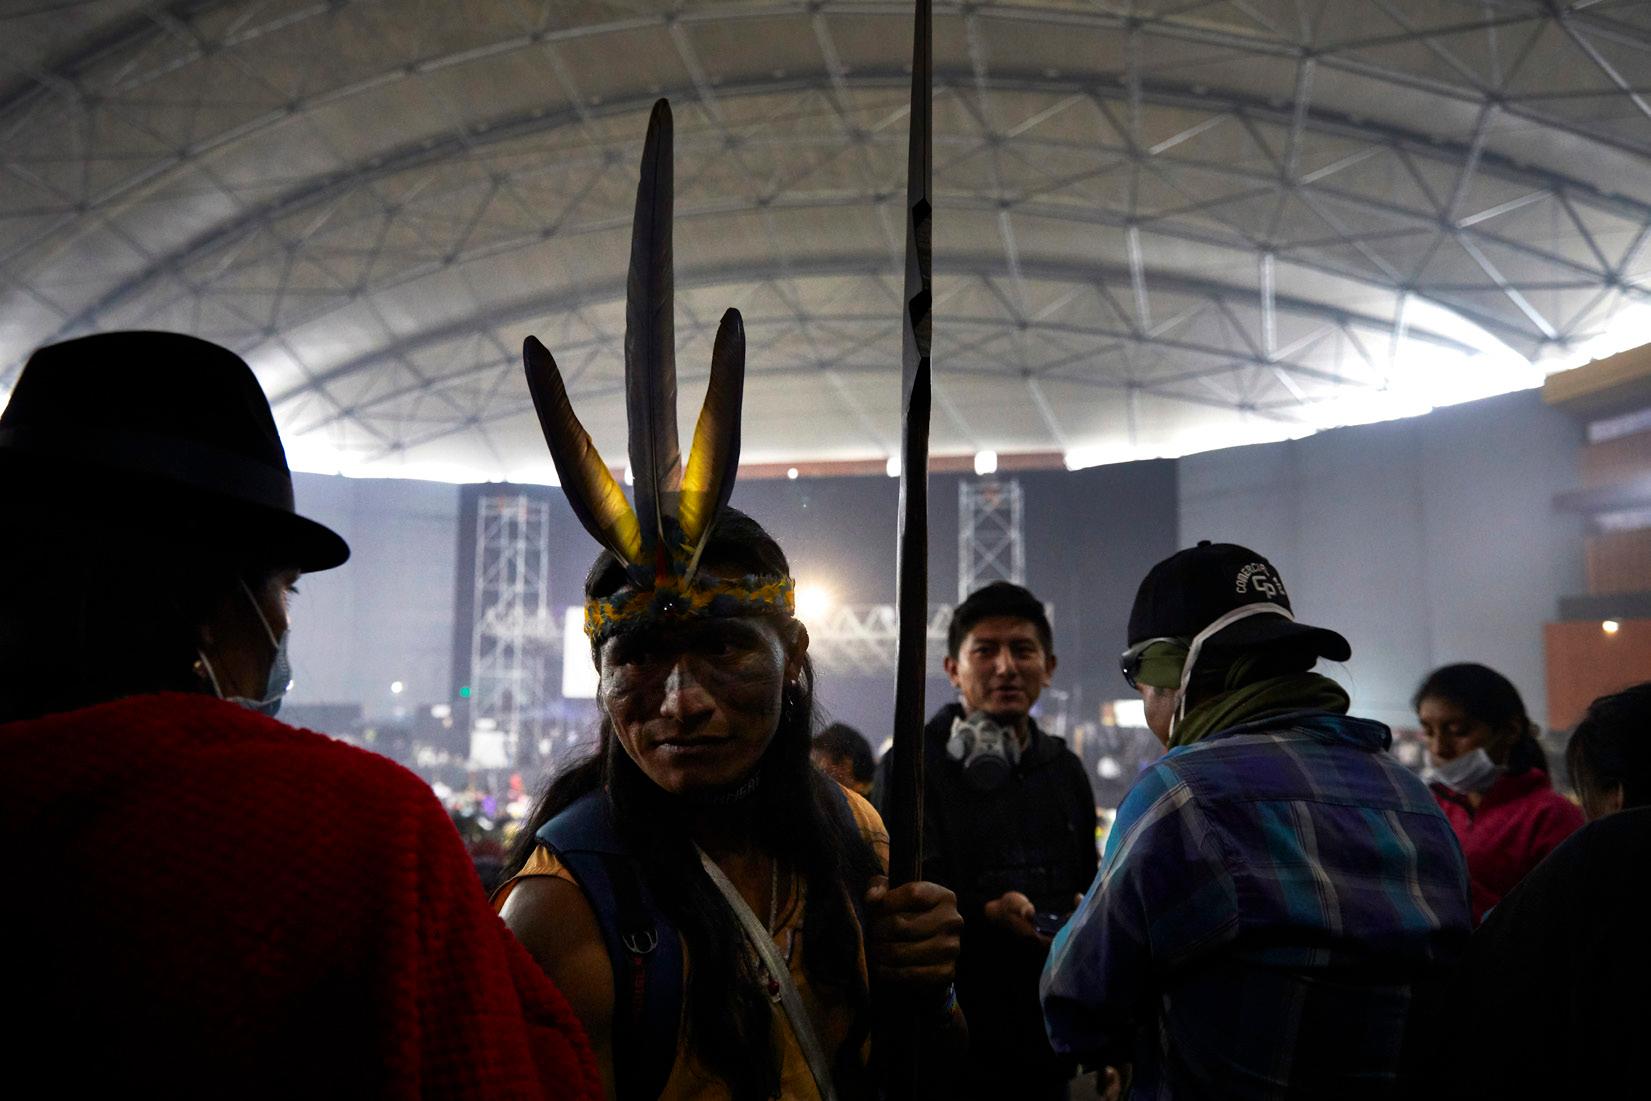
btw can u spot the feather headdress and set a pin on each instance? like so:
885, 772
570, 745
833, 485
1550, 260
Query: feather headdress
661, 539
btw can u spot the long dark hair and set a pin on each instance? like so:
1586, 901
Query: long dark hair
802, 823
1611, 747
1488, 697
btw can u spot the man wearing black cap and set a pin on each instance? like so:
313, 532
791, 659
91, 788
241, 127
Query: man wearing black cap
1279, 900
1010, 827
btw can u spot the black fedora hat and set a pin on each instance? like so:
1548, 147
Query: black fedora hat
171, 419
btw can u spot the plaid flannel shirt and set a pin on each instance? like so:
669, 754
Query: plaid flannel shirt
1271, 902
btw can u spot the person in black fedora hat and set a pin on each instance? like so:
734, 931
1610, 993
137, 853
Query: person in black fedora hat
208, 899
1280, 902
147, 455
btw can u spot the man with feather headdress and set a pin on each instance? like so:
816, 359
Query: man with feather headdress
714, 906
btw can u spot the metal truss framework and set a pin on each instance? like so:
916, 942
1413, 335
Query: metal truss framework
991, 534
860, 638
514, 632
1169, 224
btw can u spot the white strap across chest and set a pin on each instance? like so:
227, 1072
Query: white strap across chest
763, 942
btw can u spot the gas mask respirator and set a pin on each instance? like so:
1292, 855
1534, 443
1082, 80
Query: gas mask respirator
987, 750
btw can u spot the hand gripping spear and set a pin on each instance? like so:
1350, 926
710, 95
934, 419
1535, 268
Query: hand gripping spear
912, 595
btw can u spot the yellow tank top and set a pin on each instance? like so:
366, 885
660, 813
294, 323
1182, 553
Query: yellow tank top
688, 1080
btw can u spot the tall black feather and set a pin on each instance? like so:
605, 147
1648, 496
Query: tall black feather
650, 337
596, 498
713, 462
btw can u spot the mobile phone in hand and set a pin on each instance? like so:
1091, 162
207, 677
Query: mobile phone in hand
1048, 922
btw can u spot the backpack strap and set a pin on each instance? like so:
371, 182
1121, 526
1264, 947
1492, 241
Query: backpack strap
643, 947
845, 815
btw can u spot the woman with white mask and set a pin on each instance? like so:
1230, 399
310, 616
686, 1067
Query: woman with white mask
1490, 777
204, 901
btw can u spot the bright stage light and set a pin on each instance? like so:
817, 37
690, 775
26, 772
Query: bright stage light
1129, 713
792, 472
985, 462
813, 602
1610, 626
579, 680
397, 688
1082, 458
892, 467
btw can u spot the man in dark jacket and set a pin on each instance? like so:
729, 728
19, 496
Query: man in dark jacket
1010, 827
1279, 897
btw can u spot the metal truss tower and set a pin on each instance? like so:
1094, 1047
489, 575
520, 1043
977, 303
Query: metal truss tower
513, 628
991, 546
861, 638
991, 535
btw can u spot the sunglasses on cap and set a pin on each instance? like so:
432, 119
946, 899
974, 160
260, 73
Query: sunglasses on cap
1129, 662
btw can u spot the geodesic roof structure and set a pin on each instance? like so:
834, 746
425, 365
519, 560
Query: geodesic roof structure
1162, 225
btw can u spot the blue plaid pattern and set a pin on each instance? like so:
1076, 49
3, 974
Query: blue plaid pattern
1271, 902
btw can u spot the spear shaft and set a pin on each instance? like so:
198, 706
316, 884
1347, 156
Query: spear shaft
912, 598
905, 1075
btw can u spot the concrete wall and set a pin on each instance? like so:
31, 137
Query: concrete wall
1425, 541
387, 614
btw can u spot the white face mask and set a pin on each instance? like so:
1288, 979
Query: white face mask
1471, 773
280, 672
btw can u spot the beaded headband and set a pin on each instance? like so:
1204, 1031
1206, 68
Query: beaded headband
673, 601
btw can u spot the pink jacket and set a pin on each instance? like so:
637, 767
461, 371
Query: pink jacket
1520, 820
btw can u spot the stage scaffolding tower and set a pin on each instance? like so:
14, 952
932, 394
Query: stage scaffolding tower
514, 631
991, 539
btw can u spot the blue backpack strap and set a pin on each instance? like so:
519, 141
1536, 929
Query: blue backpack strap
643, 947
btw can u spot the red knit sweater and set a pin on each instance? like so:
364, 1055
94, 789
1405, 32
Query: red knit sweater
204, 900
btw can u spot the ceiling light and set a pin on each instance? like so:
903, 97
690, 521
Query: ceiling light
1610, 626
892, 467
985, 462
791, 472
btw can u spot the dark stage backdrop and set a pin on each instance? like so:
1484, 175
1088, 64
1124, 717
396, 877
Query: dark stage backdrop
1090, 536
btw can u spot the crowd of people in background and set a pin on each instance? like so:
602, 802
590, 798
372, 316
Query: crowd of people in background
698, 906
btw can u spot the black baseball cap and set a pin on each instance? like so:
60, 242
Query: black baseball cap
1191, 589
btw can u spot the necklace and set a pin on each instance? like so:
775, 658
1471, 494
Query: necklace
726, 797
773, 982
